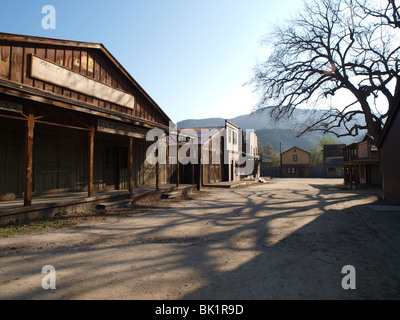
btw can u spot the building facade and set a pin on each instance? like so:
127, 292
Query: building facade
250, 150
223, 153
333, 160
232, 151
295, 163
361, 164
71, 119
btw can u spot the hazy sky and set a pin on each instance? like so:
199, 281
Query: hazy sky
191, 56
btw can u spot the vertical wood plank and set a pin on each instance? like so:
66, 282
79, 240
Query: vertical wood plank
5, 61
83, 71
76, 66
40, 52
59, 59
16, 68
96, 75
90, 64
27, 66
28, 160
67, 64
84, 63
50, 55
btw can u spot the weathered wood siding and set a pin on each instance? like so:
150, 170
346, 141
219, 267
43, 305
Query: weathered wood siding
59, 162
303, 157
364, 150
15, 66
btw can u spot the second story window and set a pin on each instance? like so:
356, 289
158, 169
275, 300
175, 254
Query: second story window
235, 138
295, 158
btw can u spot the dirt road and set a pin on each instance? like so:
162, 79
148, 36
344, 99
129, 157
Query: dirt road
288, 239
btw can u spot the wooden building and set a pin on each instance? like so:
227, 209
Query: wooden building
220, 151
209, 155
232, 151
389, 144
361, 164
71, 119
250, 149
295, 163
332, 156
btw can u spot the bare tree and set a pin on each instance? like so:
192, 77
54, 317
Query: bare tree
334, 46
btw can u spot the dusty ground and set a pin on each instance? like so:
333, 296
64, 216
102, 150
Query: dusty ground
287, 239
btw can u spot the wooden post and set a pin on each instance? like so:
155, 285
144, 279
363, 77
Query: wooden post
28, 160
192, 173
168, 178
200, 182
130, 168
177, 161
157, 170
91, 161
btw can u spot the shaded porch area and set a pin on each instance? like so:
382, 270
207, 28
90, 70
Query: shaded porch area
49, 205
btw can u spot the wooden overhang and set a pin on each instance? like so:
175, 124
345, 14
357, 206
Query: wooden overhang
74, 75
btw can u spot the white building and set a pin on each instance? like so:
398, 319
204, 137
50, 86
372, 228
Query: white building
233, 145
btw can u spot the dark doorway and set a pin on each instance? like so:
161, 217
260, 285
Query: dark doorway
111, 168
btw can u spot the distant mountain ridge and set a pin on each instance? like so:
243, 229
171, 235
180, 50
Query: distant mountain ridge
281, 134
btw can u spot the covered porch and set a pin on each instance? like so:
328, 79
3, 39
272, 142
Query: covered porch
72, 202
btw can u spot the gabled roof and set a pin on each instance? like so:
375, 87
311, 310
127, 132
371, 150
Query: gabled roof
227, 122
295, 148
204, 139
80, 44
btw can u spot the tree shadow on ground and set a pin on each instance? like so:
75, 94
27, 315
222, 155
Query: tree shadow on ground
256, 244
